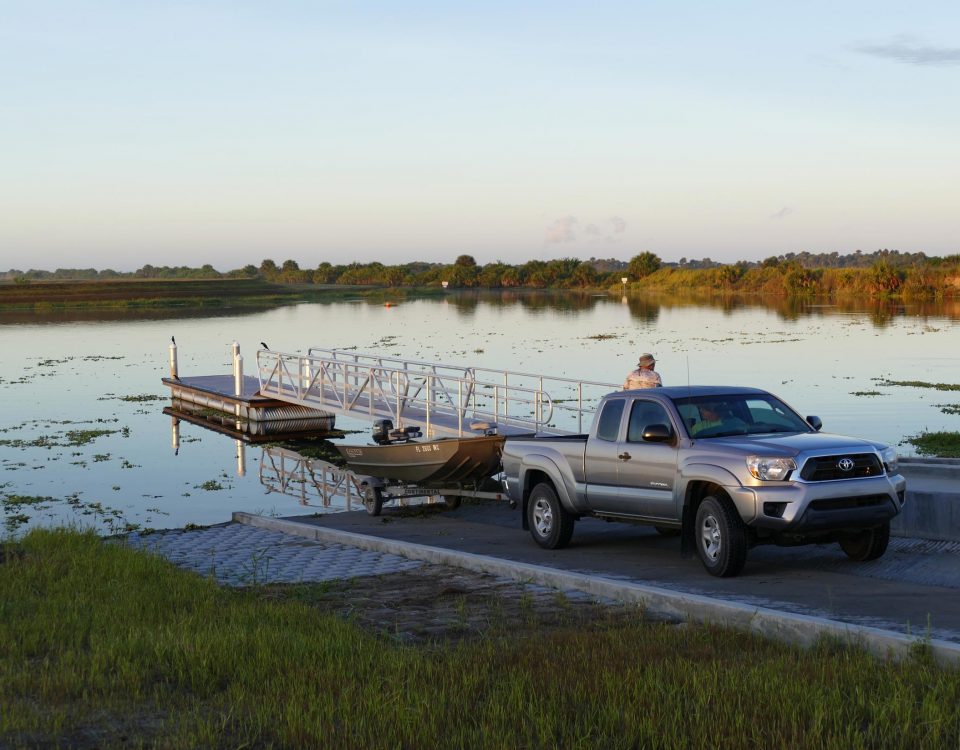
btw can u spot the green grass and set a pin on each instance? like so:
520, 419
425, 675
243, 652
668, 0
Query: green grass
939, 444
103, 646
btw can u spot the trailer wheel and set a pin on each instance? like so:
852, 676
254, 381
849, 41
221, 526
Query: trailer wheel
868, 544
551, 526
373, 500
721, 537
452, 502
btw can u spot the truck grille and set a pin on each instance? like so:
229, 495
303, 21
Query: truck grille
824, 468
845, 503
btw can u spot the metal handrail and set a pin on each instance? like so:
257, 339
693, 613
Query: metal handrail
362, 384
572, 399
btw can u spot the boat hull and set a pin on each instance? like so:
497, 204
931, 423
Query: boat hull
441, 461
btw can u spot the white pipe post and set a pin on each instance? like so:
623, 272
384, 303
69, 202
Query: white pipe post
175, 434
173, 362
238, 380
241, 458
234, 353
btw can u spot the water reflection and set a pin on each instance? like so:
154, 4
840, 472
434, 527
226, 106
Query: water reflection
249, 431
123, 314
647, 307
644, 307
312, 482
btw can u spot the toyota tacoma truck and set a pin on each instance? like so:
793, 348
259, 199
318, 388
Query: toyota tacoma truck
725, 468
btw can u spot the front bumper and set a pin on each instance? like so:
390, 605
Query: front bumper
803, 507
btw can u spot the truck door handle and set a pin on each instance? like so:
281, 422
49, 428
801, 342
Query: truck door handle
624, 456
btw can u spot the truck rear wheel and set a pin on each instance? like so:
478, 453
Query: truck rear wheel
551, 526
868, 544
721, 537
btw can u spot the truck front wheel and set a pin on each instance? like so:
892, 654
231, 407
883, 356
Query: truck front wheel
868, 544
721, 537
551, 526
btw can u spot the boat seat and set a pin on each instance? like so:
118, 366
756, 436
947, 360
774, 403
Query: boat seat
487, 428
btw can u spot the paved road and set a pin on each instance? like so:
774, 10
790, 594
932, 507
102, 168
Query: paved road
914, 588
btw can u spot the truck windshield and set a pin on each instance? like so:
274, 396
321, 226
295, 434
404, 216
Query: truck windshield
738, 414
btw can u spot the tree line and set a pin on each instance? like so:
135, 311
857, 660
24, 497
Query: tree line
880, 273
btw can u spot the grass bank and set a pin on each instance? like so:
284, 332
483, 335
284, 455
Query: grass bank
42, 297
102, 646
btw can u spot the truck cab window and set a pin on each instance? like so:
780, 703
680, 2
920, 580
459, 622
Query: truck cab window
643, 414
608, 428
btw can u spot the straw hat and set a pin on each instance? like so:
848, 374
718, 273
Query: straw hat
646, 360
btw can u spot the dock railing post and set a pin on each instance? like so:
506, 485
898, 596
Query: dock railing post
429, 400
173, 362
234, 353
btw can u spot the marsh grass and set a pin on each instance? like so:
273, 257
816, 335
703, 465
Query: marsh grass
104, 646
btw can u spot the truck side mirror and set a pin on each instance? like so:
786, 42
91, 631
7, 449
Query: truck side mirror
657, 433
815, 423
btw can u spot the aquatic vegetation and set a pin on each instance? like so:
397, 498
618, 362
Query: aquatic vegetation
83, 437
211, 485
920, 384
940, 444
866, 393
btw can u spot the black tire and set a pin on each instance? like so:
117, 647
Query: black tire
721, 537
373, 500
551, 525
667, 531
868, 544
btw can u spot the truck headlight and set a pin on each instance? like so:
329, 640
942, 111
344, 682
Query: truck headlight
890, 459
770, 468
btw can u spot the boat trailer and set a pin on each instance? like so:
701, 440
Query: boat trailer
377, 491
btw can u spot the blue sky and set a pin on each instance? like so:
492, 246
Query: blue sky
228, 132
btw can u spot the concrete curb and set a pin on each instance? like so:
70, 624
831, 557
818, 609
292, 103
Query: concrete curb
794, 628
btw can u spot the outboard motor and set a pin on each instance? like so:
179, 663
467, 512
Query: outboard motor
381, 431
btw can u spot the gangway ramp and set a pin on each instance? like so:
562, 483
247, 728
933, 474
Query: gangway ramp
439, 398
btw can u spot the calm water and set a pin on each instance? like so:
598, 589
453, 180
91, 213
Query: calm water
63, 379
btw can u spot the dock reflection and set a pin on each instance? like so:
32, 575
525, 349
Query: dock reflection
311, 481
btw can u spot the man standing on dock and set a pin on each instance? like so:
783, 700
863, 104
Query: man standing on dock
644, 376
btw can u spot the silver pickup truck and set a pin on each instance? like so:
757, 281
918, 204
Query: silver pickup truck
725, 468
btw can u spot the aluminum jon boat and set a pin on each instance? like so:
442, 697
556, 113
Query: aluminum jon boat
455, 459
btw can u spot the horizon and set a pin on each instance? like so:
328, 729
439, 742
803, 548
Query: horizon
229, 133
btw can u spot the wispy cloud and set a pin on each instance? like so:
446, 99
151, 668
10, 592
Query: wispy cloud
912, 51
782, 213
568, 228
562, 230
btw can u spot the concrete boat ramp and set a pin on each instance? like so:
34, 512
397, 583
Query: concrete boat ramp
909, 596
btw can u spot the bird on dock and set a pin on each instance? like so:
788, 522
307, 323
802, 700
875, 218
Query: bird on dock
173, 340
264, 346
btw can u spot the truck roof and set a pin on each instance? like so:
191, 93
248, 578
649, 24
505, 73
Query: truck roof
684, 391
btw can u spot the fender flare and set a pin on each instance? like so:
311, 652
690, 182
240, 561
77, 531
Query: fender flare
699, 472
540, 462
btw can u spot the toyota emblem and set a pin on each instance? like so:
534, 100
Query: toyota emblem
845, 464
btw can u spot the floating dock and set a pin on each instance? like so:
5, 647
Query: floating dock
234, 405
